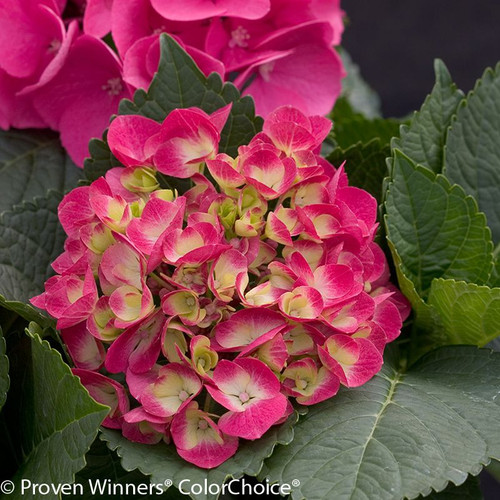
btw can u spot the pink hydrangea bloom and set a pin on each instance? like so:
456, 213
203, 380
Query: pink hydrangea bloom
221, 304
287, 54
58, 72
83, 94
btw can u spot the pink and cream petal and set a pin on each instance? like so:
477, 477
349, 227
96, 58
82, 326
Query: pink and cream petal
174, 388
137, 348
199, 440
86, 351
246, 326
256, 419
301, 304
108, 392
353, 360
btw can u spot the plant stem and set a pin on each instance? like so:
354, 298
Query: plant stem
159, 280
207, 403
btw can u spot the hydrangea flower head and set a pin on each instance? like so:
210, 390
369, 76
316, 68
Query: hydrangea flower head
258, 286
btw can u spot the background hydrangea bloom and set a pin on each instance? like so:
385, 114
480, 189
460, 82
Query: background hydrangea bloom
56, 71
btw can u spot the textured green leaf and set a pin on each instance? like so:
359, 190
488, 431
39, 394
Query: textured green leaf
456, 313
101, 159
347, 132
60, 420
364, 164
180, 84
4, 371
470, 490
435, 228
162, 462
402, 434
470, 313
30, 239
424, 315
423, 140
32, 162
426, 327
472, 156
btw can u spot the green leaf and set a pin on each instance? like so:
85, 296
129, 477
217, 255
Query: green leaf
4, 370
179, 83
101, 159
423, 140
30, 239
426, 325
59, 420
470, 313
424, 315
472, 156
32, 162
470, 490
349, 131
402, 434
435, 228
162, 462
364, 164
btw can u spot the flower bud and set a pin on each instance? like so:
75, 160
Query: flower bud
139, 179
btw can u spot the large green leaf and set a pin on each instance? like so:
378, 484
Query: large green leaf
402, 434
30, 239
4, 371
472, 157
364, 164
435, 228
470, 313
59, 419
32, 162
423, 140
180, 84
164, 465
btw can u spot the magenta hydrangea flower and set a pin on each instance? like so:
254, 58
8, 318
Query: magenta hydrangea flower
221, 305
61, 72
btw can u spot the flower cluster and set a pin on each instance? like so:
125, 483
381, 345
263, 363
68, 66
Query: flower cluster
259, 285
57, 71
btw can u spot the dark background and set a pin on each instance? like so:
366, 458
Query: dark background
395, 42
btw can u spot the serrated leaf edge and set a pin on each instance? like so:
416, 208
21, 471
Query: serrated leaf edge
446, 184
99, 407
